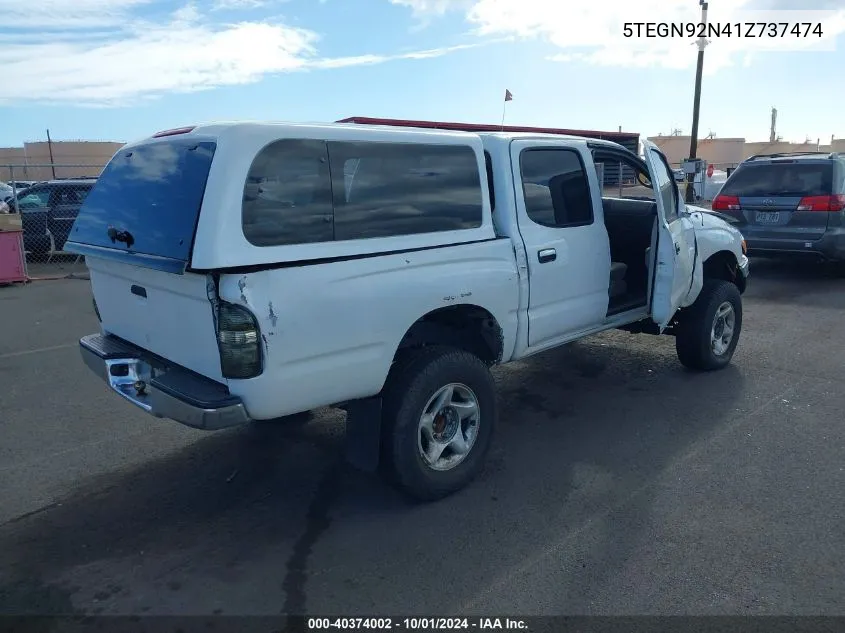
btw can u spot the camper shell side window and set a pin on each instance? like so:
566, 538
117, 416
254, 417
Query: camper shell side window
306, 191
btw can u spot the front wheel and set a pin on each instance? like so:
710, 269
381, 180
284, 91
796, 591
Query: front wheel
709, 329
439, 415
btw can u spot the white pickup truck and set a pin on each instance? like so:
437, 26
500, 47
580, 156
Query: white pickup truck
250, 272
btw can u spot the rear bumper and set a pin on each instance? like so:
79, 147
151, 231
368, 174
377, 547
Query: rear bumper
161, 388
830, 246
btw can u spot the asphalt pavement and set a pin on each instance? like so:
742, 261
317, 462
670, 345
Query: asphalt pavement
618, 483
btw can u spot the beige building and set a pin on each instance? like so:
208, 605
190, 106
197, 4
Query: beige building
728, 152
70, 159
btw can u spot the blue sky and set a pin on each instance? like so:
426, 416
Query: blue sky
123, 69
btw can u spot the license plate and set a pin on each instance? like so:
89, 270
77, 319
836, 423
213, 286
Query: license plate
768, 217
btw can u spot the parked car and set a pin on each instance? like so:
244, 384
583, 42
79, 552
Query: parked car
789, 203
23, 184
6, 192
48, 211
384, 271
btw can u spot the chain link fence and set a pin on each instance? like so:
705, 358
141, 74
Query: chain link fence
47, 199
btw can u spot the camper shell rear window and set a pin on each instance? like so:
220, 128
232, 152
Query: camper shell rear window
148, 197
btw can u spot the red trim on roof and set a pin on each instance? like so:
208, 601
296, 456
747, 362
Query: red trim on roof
481, 127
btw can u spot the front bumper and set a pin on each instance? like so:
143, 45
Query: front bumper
161, 388
745, 268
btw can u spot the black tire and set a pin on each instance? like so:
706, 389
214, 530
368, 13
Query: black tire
693, 338
413, 380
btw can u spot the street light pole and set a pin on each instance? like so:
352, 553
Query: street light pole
693, 145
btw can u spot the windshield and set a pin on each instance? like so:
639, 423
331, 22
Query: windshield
781, 179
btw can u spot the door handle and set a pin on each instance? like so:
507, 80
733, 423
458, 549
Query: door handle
547, 255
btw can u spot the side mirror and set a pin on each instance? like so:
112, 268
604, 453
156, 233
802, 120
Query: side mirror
643, 180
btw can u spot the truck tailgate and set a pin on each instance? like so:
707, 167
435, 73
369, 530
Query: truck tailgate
166, 314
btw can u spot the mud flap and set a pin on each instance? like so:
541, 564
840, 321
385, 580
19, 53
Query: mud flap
363, 433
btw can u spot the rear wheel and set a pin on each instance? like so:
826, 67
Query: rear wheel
709, 329
439, 415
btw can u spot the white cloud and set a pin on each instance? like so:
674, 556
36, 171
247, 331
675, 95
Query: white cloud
435, 7
65, 14
129, 53
181, 55
188, 13
342, 62
593, 31
236, 5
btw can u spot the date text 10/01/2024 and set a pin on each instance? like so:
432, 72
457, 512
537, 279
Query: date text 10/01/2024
750, 30
416, 624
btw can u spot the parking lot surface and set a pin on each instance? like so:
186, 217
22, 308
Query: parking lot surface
618, 483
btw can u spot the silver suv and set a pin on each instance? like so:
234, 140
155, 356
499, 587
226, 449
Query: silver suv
789, 203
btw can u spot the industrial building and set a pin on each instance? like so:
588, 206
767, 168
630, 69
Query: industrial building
43, 160
723, 153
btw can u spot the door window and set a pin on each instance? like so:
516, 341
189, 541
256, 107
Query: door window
68, 196
34, 199
665, 185
556, 189
620, 178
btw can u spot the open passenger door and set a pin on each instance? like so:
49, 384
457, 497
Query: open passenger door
676, 247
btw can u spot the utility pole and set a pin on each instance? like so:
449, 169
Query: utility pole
50, 147
693, 145
773, 128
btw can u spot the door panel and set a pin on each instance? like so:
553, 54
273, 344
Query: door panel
561, 223
676, 247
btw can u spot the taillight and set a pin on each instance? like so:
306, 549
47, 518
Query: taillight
174, 131
725, 203
822, 203
239, 341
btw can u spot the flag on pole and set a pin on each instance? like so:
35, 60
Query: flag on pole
508, 95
